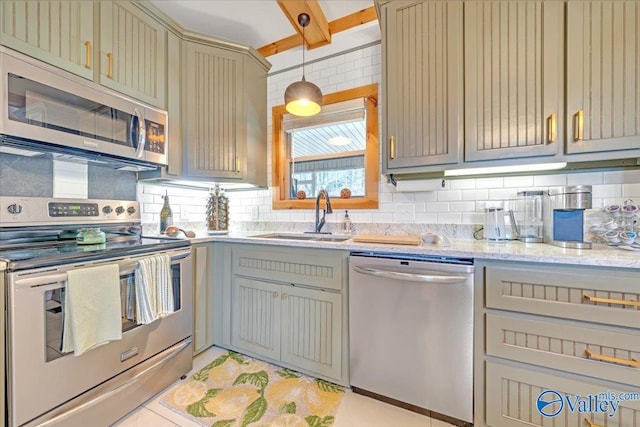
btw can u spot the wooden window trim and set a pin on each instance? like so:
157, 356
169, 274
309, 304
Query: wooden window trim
372, 175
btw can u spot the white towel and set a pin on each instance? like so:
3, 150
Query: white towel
154, 293
92, 308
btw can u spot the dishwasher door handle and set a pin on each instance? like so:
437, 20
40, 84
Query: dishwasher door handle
412, 277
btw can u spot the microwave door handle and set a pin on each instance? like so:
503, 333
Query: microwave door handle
138, 132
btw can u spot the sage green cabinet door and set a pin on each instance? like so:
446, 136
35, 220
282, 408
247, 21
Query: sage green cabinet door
513, 53
213, 107
312, 330
603, 78
423, 90
255, 324
133, 49
57, 32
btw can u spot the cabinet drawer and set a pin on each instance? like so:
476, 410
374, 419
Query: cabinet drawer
564, 346
603, 295
313, 267
512, 394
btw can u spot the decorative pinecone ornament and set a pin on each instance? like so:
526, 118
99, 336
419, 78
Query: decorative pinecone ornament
217, 210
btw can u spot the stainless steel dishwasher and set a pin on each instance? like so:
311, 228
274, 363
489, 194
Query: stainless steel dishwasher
411, 332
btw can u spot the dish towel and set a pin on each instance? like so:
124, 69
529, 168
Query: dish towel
154, 293
92, 308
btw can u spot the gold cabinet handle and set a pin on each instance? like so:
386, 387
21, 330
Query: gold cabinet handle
110, 72
87, 63
275, 295
578, 126
551, 128
238, 164
392, 147
591, 423
284, 296
633, 362
610, 301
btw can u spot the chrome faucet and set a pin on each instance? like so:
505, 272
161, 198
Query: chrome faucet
320, 222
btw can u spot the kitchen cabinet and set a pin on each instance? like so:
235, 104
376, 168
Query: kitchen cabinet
513, 56
213, 107
288, 306
203, 300
225, 117
57, 32
603, 83
130, 55
554, 327
133, 52
423, 83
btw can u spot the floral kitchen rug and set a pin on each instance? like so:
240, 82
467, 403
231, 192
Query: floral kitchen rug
236, 391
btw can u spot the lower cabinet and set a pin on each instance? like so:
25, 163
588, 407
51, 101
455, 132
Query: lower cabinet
556, 345
203, 311
517, 396
290, 319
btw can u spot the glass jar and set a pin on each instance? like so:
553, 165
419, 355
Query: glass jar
90, 236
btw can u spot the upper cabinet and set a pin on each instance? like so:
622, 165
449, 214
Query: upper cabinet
129, 56
603, 79
423, 89
213, 108
513, 56
133, 49
57, 32
225, 113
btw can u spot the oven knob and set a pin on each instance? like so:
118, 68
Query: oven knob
131, 210
119, 210
14, 208
107, 209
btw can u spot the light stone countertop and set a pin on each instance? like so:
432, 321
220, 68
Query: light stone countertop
599, 255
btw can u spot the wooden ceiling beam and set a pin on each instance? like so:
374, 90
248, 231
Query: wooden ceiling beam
317, 32
341, 24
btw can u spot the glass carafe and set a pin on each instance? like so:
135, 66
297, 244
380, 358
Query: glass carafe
532, 224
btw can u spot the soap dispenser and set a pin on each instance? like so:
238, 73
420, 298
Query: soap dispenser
346, 223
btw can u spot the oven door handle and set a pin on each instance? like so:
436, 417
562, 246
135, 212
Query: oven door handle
57, 419
127, 268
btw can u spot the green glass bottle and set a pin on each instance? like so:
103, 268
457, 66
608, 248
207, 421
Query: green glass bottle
166, 217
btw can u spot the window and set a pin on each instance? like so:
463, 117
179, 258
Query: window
335, 150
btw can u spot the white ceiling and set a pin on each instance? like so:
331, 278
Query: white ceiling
259, 22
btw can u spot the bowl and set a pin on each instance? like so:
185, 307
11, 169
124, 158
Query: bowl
627, 237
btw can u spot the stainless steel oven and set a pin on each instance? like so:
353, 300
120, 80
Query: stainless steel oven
41, 103
47, 386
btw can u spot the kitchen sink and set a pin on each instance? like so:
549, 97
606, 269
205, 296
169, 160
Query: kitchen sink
316, 237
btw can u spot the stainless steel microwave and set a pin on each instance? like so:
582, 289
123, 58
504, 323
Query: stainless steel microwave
51, 106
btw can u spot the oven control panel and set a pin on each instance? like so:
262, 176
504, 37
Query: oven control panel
73, 209
25, 211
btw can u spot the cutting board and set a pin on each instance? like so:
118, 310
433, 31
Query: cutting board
383, 238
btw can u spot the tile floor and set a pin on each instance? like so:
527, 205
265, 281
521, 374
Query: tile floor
354, 410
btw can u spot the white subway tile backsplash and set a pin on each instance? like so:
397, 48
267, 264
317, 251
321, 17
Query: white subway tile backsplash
503, 193
519, 182
437, 207
603, 191
461, 184
496, 182
462, 206
622, 177
451, 195
430, 196
475, 194
631, 190
554, 180
404, 212
585, 178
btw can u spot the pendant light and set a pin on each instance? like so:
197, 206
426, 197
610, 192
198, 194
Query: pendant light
303, 98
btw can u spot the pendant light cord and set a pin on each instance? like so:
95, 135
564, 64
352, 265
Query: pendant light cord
303, 48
